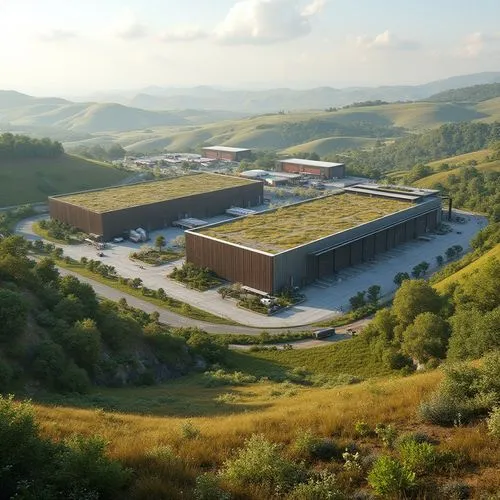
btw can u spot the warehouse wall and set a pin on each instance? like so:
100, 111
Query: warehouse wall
231, 262
297, 267
158, 215
293, 267
83, 219
327, 173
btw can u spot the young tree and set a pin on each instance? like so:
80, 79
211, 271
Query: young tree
426, 337
417, 271
400, 277
424, 267
160, 242
450, 253
373, 294
413, 298
358, 300
46, 270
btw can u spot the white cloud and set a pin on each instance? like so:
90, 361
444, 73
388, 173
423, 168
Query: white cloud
476, 43
57, 35
266, 21
386, 40
184, 34
313, 8
129, 27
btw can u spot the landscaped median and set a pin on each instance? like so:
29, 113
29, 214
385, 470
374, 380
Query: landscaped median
107, 275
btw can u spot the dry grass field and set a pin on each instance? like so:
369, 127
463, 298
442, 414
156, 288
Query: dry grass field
167, 458
295, 225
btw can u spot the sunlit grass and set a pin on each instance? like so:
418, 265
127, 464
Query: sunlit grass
151, 192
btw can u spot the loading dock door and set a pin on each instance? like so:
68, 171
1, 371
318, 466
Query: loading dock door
342, 257
326, 263
368, 247
312, 268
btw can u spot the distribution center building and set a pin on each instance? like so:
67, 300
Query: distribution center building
324, 169
297, 244
226, 153
154, 205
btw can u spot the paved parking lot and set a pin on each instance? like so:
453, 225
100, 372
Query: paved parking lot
326, 298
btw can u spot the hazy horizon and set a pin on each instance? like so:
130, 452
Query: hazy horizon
81, 47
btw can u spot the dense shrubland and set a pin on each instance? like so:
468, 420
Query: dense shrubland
56, 335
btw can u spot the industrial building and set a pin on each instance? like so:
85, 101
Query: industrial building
154, 205
323, 169
226, 153
298, 244
272, 178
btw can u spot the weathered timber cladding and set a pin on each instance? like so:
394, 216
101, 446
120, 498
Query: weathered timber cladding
303, 264
234, 263
79, 217
156, 215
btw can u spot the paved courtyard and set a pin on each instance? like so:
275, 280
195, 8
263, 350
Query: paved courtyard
325, 299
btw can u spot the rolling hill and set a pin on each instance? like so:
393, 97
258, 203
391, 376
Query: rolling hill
442, 177
143, 130
32, 180
328, 132
275, 99
467, 270
474, 94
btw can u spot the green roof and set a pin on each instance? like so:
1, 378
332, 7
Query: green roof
116, 198
295, 225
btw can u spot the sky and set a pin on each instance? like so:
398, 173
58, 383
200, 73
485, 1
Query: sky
79, 47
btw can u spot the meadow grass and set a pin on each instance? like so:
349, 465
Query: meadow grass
461, 274
351, 357
442, 177
150, 192
465, 159
33, 179
136, 440
288, 227
173, 305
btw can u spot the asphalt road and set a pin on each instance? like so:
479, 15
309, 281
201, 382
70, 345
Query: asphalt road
176, 320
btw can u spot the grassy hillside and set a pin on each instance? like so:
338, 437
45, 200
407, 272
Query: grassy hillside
474, 94
196, 429
462, 274
330, 145
442, 177
31, 180
314, 131
465, 159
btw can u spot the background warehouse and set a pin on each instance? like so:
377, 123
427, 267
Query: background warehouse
154, 205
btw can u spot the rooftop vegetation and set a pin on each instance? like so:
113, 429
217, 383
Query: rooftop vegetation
295, 225
106, 200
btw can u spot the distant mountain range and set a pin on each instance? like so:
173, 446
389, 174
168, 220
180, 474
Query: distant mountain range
181, 119
273, 100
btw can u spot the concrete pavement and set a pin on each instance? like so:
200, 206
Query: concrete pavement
325, 299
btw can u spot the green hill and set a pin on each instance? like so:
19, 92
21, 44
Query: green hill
330, 145
442, 177
33, 179
319, 131
474, 94
462, 274
460, 160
